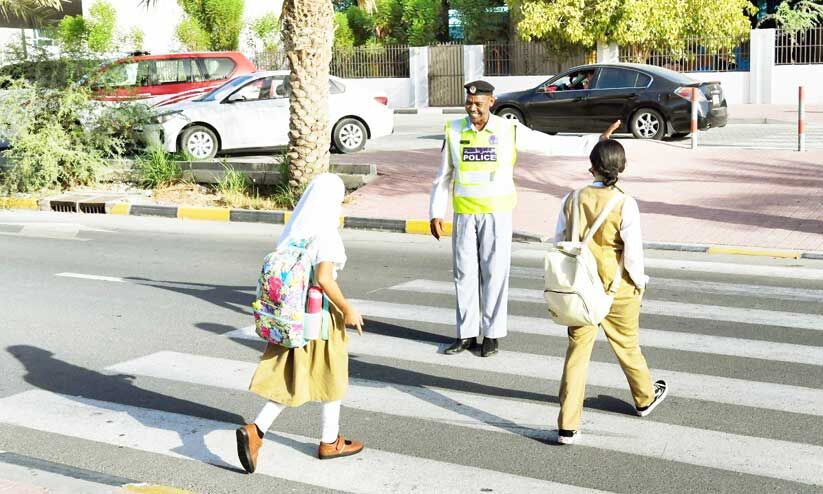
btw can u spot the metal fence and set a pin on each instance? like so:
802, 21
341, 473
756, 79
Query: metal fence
521, 58
694, 57
271, 60
371, 61
798, 48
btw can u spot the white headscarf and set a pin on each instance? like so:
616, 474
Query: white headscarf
317, 216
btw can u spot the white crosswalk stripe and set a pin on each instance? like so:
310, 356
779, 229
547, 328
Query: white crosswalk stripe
740, 392
786, 460
182, 436
675, 340
697, 445
658, 307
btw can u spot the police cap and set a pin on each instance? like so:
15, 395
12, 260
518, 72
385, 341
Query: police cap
479, 87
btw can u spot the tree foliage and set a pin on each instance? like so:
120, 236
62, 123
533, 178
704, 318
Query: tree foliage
480, 22
27, 9
96, 34
797, 16
411, 22
220, 20
343, 36
653, 24
361, 24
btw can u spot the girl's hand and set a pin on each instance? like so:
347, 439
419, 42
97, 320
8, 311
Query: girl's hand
351, 317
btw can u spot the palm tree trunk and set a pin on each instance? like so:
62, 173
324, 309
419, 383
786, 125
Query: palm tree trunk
308, 35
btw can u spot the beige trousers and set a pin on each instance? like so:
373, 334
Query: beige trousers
621, 327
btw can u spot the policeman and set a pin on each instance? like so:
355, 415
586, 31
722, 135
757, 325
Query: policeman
478, 158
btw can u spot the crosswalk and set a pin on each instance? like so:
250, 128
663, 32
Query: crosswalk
753, 455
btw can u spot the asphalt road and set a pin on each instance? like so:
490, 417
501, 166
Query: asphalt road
123, 353
425, 130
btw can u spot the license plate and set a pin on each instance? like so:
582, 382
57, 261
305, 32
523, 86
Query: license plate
715, 99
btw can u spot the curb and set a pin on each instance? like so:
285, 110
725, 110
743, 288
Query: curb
409, 226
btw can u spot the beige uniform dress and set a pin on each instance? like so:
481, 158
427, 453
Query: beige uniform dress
318, 371
622, 324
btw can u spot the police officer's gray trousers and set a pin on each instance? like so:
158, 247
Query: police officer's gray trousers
482, 245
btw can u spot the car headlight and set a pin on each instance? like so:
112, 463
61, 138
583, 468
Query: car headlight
162, 118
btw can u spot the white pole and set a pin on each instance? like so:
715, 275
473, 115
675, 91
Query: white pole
694, 118
801, 120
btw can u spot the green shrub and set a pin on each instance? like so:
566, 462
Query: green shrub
51, 74
157, 168
233, 181
343, 36
361, 24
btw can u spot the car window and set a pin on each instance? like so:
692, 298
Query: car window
573, 81
119, 75
218, 68
177, 70
271, 87
335, 88
614, 78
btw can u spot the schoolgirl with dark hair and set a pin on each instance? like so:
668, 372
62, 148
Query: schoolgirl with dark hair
618, 248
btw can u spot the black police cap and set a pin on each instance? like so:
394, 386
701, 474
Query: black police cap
479, 87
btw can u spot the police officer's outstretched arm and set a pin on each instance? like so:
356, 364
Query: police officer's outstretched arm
440, 194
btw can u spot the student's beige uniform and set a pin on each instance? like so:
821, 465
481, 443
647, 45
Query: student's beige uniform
621, 325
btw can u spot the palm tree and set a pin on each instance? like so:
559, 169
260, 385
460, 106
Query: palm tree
27, 9
370, 6
308, 34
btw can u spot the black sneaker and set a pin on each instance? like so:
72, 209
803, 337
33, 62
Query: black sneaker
565, 436
660, 392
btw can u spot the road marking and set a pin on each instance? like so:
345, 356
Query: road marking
758, 456
788, 272
183, 436
657, 307
91, 277
770, 396
707, 287
673, 340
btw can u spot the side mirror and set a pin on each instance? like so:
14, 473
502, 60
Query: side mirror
234, 98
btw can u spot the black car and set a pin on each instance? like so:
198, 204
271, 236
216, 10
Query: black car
651, 101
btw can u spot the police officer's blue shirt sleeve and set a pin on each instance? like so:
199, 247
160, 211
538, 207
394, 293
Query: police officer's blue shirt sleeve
439, 202
532, 141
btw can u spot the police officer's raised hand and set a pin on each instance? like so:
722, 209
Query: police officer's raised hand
436, 225
608, 133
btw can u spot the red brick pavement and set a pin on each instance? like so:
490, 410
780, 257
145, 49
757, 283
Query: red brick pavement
737, 197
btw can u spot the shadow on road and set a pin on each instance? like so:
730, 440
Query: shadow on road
48, 373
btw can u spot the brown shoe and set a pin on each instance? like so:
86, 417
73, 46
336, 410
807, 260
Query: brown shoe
341, 447
248, 445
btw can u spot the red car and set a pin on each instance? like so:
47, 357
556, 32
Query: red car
166, 79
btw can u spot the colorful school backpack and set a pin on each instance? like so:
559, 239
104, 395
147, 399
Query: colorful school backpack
573, 288
279, 310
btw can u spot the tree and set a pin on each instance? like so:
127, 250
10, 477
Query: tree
27, 9
407, 21
308, 35
95, 34
480, 22
797, 16
220, 20
651, 24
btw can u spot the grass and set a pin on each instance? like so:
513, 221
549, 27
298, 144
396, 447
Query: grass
157, 168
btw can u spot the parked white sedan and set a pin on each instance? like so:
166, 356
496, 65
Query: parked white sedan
252, 112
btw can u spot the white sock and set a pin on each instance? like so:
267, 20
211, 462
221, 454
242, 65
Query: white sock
330, 421
267, 415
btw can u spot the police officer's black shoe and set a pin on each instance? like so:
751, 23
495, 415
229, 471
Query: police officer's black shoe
489, 347
459, 345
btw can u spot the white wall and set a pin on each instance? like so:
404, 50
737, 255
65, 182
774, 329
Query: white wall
399, 91
735, 84
788, 77
516, 83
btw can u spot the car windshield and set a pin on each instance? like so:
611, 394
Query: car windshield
228, 86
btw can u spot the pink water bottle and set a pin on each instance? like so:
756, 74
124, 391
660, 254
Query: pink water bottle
314, 315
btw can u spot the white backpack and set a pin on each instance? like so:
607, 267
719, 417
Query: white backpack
574, 290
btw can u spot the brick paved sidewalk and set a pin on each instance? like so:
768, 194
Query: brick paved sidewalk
750, 198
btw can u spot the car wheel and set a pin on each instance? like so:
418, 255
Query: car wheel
349, 135
199, 142
511, 114
648, 124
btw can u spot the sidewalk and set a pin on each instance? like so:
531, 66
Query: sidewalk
732, 197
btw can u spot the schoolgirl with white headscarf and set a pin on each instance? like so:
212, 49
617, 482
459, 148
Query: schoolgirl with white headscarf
318, 371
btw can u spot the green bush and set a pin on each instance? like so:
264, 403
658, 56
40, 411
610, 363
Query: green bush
233, 181
343, 36
51, 74
61, 138
361, 24
157, 168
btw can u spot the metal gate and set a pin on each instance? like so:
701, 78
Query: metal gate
446, 75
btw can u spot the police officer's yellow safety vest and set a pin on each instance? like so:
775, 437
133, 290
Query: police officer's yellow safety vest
483, 165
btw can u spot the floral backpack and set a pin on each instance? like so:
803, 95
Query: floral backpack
281, 293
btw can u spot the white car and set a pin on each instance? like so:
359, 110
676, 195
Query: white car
251, 111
